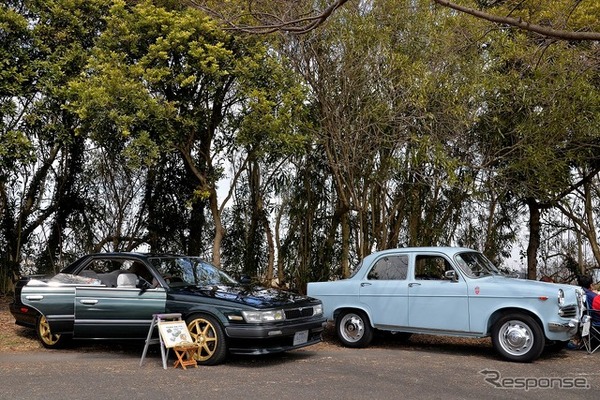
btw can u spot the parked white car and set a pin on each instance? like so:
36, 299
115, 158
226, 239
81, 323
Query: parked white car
450, 291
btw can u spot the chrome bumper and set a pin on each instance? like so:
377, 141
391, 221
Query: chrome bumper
570, 327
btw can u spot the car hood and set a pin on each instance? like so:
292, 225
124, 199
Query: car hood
525, 285
254, 296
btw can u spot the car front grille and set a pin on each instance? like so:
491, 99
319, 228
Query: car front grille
302, 312
569, 311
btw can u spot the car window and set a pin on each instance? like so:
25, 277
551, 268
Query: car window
184, 271
104, 266
139, 269
429, 267
356, 269
106, 270
389, 268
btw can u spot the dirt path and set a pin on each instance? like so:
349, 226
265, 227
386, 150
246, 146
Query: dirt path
14, 338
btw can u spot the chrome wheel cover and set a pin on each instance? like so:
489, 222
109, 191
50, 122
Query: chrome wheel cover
352, 328
515, 337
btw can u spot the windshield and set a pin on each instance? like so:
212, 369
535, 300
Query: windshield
186, 271
475, 265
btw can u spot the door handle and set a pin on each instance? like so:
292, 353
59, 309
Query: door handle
37, 297
414, 284
89, 302
365, 284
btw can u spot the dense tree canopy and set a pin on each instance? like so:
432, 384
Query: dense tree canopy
147, 126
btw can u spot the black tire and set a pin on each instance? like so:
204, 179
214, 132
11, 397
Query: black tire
353, 328
518, 337
46, 337
208, 333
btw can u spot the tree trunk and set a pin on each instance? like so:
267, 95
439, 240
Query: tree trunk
591, 225
345, 259
196, 226
534, 238
326, 261
280, 260
219, 229
251, 265
414, 216
271, 251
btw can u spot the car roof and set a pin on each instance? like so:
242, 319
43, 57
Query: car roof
448, 250
135, 254
119, 254
438, 249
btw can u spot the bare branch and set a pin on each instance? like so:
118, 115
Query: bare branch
519, 23
269, 23
305, 22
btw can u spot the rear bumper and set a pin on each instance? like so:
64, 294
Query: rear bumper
24, 316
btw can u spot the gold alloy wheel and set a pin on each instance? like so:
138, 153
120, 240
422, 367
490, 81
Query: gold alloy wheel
45, 334
203, 333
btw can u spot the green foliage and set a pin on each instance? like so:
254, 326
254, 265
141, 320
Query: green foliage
14, 147
15, 71
395, 123
274, 112
156, 71
562, 14
15, 75
540, 122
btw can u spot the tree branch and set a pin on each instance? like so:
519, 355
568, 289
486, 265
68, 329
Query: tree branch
519, 23
299, 24
296, 25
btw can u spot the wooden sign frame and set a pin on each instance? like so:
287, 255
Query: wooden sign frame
174, 333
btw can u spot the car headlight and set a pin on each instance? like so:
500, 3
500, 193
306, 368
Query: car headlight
263, 316
561, 297
318, 309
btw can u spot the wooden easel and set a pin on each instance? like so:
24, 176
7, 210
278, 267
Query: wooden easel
164, 351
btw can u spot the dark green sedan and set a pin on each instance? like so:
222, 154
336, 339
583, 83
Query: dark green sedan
115, 295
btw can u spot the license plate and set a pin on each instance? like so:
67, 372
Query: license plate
300, 337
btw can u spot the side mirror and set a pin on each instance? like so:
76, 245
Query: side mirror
451, 275
245, 279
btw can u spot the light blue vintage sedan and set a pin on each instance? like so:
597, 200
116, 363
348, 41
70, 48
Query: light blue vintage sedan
450, 291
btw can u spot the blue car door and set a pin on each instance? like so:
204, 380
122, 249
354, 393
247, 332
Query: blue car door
384, 291
437, 302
